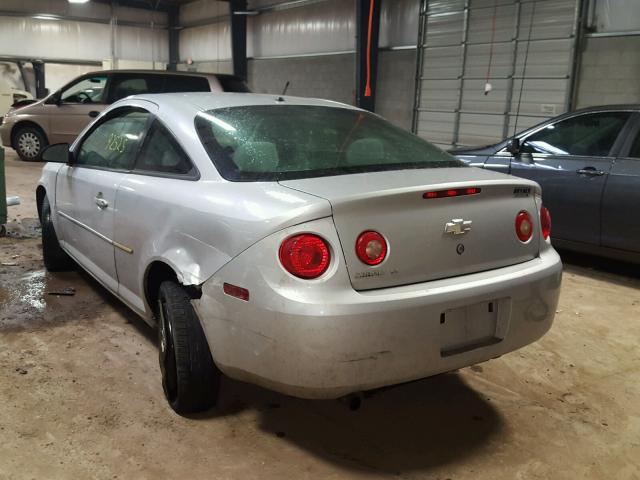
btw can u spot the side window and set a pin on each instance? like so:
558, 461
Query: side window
185, 83
124, 85
114, 143
592, 134
162, 154
88, 90
635, 148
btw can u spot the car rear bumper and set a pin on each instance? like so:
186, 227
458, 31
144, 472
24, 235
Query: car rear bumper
354, 341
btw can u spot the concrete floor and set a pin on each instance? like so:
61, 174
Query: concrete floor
81, 394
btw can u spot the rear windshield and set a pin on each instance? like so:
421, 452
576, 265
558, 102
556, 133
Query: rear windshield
282, 142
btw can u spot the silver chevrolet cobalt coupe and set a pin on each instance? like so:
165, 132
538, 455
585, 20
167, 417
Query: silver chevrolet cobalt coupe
303, 245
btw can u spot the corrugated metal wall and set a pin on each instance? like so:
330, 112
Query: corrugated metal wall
463, 41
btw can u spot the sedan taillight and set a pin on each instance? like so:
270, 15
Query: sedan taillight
545, 222
305, 256
524, 226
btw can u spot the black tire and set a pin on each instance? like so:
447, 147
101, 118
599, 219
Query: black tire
190, 379
29, 142
55, 259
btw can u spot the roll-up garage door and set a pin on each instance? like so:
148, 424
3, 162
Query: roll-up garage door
525, 49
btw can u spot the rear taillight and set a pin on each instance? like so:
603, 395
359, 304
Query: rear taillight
524, 226
371, 247
545, 222
305, 256
455, 192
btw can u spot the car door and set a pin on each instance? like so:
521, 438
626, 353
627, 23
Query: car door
162, 166
621, 199
571, 160
86, 190
75, 107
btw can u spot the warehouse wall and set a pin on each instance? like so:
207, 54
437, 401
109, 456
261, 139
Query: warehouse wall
610, 71
610, 64
396, 86
42, 38
311, 46
330, 76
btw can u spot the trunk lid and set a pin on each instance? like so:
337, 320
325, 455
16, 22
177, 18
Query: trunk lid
392, 204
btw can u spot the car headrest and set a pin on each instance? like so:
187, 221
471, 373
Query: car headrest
256, 157
365, 151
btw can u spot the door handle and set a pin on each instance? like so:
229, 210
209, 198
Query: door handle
94, 113
101, 202
590, 171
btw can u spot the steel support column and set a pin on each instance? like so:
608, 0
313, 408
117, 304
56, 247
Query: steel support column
368, 27
239, 37
38, 70
173, 17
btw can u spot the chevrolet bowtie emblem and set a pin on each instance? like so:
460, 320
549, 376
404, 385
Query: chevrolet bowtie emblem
457, 226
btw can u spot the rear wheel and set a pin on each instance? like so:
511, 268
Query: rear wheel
190, 379
55, 259
29, 143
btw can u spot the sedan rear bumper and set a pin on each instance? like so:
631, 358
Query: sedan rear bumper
355, 341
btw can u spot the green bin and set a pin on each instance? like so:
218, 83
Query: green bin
3, 194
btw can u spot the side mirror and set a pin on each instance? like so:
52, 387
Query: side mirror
513, 147
57, 153
53, 99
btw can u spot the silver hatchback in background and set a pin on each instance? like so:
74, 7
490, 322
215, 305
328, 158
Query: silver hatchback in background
303, 245
61, 116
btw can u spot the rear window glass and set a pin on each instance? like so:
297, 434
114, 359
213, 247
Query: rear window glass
124, 85
281, 142
184, 83
229, 83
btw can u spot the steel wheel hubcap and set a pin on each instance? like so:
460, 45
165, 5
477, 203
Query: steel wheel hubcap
29, 144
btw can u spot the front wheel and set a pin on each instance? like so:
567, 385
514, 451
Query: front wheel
29, 143
190, 379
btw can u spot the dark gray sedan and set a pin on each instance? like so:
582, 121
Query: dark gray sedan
588, 164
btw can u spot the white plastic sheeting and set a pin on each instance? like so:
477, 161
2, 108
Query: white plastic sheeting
399, 23
72, 40
200, 9
10, 76
315, 28
97, 11
318, 27
58, 74
209, 42
617, 15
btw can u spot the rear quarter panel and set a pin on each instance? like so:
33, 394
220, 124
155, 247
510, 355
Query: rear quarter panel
196, 227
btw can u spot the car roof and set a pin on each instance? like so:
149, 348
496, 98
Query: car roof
162, 72
598, 108
190, 104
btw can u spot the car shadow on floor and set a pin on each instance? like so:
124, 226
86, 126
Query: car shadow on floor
411, 427
619, 272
